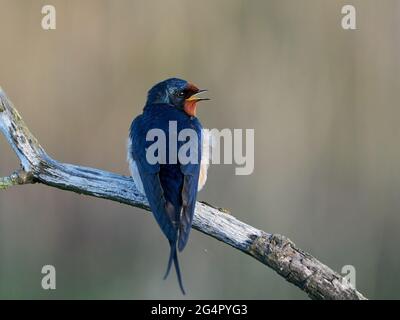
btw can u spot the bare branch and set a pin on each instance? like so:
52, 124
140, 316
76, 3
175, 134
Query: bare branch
275, 251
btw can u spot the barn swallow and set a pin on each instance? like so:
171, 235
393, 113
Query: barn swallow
171, 188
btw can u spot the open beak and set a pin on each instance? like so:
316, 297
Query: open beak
195, 97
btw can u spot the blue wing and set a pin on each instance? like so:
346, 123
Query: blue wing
191, 172
149, 174
189, 195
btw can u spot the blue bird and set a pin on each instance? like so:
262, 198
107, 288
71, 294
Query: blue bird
171, 187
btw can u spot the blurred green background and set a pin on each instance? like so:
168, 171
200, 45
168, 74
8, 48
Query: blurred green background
323, 102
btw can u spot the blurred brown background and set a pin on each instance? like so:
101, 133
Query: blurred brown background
323, 102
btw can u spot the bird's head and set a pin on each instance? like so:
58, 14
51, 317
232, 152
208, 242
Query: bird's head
178, 93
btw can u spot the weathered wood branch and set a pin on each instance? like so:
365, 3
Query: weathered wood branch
273, 250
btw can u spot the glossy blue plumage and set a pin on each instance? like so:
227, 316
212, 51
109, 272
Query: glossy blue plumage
171, 189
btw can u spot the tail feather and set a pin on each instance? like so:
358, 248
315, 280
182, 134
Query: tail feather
173, 256
178, 273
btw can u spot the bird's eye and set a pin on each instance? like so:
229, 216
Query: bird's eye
179, 93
